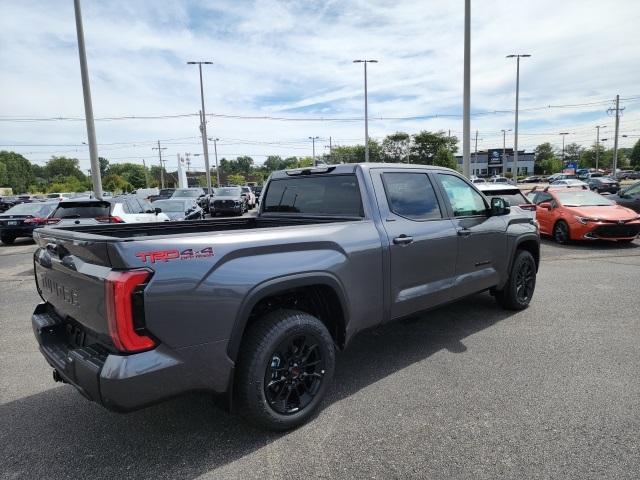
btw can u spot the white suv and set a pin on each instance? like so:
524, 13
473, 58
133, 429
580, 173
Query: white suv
91, 211
250, 196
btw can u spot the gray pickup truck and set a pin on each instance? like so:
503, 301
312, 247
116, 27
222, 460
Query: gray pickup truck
254, 308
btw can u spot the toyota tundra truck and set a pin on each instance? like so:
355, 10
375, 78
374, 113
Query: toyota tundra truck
254, 309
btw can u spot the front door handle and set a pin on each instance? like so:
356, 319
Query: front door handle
464, 232
403, 240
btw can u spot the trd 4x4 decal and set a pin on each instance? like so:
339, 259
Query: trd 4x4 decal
175, 254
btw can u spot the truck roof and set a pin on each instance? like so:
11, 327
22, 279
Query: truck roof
344, 168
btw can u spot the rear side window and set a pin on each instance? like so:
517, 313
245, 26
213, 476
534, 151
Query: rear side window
411, 195
465, 200
542, 197
514, 197
315, 195
82, 210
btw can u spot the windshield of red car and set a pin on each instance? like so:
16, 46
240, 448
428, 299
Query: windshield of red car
582, 198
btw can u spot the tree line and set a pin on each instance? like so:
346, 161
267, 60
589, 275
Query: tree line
63, 174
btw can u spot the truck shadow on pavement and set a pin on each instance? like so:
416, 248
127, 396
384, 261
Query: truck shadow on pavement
59, 434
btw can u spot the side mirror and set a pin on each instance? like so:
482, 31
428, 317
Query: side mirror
157, 210
499, 206
546, 205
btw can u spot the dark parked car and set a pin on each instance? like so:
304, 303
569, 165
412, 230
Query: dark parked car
256, 307
22, 219
228, 200
164, 193
180, 208
603, 184
628, 197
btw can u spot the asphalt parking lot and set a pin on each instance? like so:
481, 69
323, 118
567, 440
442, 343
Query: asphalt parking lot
466, 391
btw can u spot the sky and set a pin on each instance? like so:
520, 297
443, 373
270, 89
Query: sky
283, 72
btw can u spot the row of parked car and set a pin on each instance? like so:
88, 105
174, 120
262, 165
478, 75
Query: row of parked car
569, 212
61, 210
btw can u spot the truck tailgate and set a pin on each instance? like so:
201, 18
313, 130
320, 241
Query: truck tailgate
70, 276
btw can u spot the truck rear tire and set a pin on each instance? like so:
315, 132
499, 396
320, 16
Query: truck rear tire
286, 363
518, 291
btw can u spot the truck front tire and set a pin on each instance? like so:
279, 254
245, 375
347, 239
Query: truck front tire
286, 363
518, 291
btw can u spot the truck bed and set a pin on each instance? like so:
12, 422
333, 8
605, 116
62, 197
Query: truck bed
138, 230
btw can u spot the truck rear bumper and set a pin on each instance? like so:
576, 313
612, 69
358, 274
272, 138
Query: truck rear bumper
129, 382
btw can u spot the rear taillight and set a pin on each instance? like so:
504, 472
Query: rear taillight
109, 219
35, 221
52, 221
125, 310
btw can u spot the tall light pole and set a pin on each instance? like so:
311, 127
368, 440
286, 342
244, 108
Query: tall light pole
466, 93
504, 150
203, 124
515, 140
88, 106
313, 142
598, 127
159, 148
366, 109
215, 151
564, 134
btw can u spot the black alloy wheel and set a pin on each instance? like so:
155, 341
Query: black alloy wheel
525, 282
284, 368
561, 232
294, 375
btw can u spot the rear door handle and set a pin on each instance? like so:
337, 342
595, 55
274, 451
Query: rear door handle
403, 240
464, 232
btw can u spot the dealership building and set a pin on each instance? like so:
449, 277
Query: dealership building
495, 161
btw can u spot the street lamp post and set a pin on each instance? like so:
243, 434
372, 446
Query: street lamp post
515, 140
203, 124
598, 127
215, 151
564, 134
504, 150
366, 109
313, 142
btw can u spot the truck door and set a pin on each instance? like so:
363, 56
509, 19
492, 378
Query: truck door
482, 239
422, 240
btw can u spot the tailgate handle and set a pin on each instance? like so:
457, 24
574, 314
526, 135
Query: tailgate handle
52, 248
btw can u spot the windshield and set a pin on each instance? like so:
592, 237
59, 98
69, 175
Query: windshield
582, 198
246, 189
187, 192
171, 205
228, 192
35, 209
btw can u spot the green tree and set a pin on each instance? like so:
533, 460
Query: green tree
273, 163
588, 156
572, 152
132, 173
115, 183
18, 171
4, 178
551, 165
68, 184
104, 166
236, 179
634, 157
444, 158
305, 162
543, 152
355, 153
426, 144
59, 167
395, 147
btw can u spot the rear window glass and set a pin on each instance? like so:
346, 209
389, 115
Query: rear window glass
35, 209
82, 210
315, 195
514, 198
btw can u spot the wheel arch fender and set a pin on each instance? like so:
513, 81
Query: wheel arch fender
274, 286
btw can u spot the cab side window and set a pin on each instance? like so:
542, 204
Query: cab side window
411, 195
464, 199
